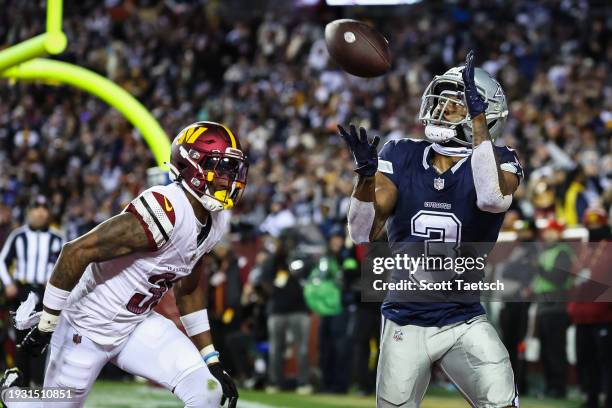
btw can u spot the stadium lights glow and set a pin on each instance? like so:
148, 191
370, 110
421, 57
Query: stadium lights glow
370, 2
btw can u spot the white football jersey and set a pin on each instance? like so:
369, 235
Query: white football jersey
112, 297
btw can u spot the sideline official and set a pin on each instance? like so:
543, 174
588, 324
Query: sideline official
26, 262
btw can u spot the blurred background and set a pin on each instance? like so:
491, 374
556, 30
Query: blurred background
68, 161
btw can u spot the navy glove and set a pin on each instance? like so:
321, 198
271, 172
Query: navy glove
230, 393
476, 104
35, 342
364, 152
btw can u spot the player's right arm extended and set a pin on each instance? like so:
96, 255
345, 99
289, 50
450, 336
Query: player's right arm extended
120, 235
372, 202
374, 196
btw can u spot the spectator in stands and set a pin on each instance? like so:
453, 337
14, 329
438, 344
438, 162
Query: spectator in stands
572, 202
271, 79
279, 218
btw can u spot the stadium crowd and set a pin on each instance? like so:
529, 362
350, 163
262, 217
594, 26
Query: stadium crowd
269, 78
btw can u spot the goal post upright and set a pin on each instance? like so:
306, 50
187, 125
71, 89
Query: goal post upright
54, 16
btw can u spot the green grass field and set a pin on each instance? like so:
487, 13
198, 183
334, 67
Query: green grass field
128, 395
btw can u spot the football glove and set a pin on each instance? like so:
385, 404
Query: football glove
230, 393
364, 152
13, 377
35, 342
476, 104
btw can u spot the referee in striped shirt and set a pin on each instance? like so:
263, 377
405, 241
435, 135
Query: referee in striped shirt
32, 249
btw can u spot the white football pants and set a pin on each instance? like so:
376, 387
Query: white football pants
156, 350
470, 353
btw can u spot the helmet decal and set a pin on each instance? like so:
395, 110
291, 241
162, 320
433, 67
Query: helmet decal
231, 135
499, 93
190, 134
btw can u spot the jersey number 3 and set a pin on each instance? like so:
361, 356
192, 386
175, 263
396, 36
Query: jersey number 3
163, 281
436, 226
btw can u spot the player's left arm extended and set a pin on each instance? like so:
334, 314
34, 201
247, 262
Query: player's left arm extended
191, 301
508, 182
494, 187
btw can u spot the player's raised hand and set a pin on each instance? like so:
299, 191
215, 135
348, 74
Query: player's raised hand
230, 393
474, 101
364, 152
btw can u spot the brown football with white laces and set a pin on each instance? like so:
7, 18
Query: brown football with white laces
358, 48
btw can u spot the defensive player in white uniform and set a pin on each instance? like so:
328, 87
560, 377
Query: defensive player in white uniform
98, 305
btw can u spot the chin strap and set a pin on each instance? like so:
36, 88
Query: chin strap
451, 151
209, 203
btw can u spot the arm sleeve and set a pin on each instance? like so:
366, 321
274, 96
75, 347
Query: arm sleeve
485, 172
360, 220
156, 215
7, 255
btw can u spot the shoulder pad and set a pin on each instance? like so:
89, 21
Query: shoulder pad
156, 215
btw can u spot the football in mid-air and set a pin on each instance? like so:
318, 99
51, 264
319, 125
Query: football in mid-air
358, 48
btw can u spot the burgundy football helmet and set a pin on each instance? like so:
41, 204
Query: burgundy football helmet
207, 160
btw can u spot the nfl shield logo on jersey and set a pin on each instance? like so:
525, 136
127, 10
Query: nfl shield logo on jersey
438, 183
398, 335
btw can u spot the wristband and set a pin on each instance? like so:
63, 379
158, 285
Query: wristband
209, 354
55, 298
48, 322
196, 322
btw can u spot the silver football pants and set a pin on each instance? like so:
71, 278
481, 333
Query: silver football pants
470, 353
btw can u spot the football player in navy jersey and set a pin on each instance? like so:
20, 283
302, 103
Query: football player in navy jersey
453, 186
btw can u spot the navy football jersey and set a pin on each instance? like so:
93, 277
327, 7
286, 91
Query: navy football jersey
439, 207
